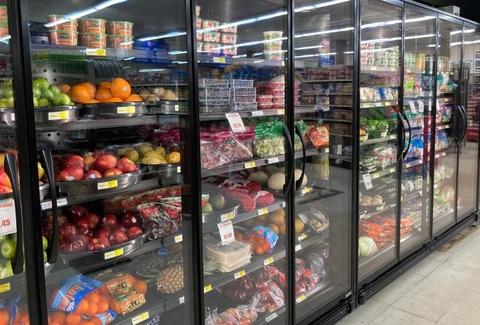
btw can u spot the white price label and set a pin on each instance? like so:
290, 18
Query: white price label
54, 116
179, 169
46, 205
178, 239
271, 317
236, 122
367, 180
273, 160
12, 117
8, 221
140, 318
413, 108
126, 110
176, 108
62, 202
421, 106
338, 161
298, 247
107, 185
226, 232
115, 253
327, 150
181, 300
257, 113
339, 149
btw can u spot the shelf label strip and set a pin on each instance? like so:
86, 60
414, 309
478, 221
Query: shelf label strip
107, 185
5, 287
269, 260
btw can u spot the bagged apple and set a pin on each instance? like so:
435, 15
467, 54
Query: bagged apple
242, 315
269, 298
241, 290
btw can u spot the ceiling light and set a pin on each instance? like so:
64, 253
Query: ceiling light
151, 70
313, 55
177, 52
346, 29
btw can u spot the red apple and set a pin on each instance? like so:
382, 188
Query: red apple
89, 162
72, 173
118, 237
112, 172
120, 227
74, 160
105, 162
4, 189
103, 232
4, 179
67, 231
130, 219
92, 174
126, 165
89, 233
109, 220
77, 212
134, 232
93, 220
82, 224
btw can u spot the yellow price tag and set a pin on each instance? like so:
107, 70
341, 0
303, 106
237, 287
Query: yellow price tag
407, 166
393, 136
126, 110
268, 261
374, 68
301, 298
207, 288
107, 185
302, 237
281, 111
239, 274
227, 216
392, 170
376, 175
262, 211
96, 52
140, 318
177, 108
178, 239
115, 253
306, 190
250, 164
219, 59
55, 116
387, 103
5, 287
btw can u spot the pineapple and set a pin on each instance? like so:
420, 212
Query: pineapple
170, 280
148, 265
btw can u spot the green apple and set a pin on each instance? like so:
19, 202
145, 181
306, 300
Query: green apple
44, 102
44, 243
8, 248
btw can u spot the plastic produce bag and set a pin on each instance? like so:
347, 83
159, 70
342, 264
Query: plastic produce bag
266, 233
269, 297
269, 139
240, 315
222, 149
241, 290
157, 220
72, 290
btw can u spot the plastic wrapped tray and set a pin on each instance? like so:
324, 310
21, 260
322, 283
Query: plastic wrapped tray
241, 83
208, 92
214, 108
248, 99
215, 101
251, 91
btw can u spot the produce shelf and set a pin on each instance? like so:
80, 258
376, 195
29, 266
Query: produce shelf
378, 69
363, 261
90, 124
314, 291
13, 286
343, 106
159, 85
152, 307
382, 103
378, 140
316, 194
412, 163
385, 208
256, 113
388, 170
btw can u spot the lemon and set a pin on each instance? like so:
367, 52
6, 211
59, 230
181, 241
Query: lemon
173, 157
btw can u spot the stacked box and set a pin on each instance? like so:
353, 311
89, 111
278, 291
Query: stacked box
226, 95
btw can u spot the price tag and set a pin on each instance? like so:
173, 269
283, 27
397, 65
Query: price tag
207, 288
302, 237
179, 169
107, 185
393, 136
178, 239
301, 298
126, 110
268, 261
421, 106
46, 205
250, 164
376, 175
239, 274
273, 160
96, 52
306, 190
392, 170
339, 149
181, 300
62, 202
298, 247
387, 103
378, 104
226, 232
5, 287
412, 106
217, 59
12, 117
380, 208
374, 68
281, 111
140, 318
262, 211
115, 253
8, 221
363, 216
55, 116
176, 108
407, 166
327, 150
236, 122
429, 105
227, 216
271, 317
367, 180
257, 113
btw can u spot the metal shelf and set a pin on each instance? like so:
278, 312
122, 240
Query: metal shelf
377, 69
385, 208
387, 171
90, 124
412, 163
328, 80
378, 140
382, 103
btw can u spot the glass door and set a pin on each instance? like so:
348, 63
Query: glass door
324, 106
381, 36
420, 39
468, 151
244, 142
448, 123
109, 97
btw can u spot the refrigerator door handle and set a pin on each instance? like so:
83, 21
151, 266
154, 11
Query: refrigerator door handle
298, 131
12, 172
465, 125
52, 249
460, 136
405, 152
289, 181
401, 144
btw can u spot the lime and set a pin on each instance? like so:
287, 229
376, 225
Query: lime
3, 238
45, 257
10, 101
9, 82
55, 90
41, 83
47, 94
37, 93
8, 248
7, 92
3, 103
61, 99
35, 101
44, 242
44, 102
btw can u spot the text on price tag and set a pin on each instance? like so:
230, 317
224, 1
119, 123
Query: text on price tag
8, 221
107, 185
140, 318
367, 180
54, 116
5, 287
115, 253
236, 122
226, 232
126, 110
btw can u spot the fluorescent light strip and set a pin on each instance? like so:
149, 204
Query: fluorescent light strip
346, 29
413, 20
252, 43
313, 55
420, 36
396, 21
126, 43
129, 59
466, 31
151, 70
109, 3
179, 62
240, 56
171, 34
177, 52
320, 5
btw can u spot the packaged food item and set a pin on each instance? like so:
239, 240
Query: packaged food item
229, 29
71, 292
265, 246
63, 37
269, 140
221, 149
197, 11
70, 25
230, 51
385, 154
241, 290
92, 25
210, 24
159, 220
199, 36
273, 55
124, 28
121, 288
229, 257
273, 46
318, 135
3, 12
120, 42
93, 40
211, 47
272, 35
4, 31
229, 39
235, 316
211, 37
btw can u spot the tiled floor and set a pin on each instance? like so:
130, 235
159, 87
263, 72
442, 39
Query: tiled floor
442, 289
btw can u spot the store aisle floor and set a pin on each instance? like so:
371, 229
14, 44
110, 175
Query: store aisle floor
442, 289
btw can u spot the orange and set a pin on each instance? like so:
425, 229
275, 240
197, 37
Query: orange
140, 286
120, 88
4, 317
24, 318
92, 101
103, 94
91, 88
113, 100
104, 84
82, 307
115, 306
102, 306
64, 88
258, 249
49, 319
106, 298
93, 296
132, 279
134, 98
92, 309
55, 323
103, 290
79, 94
59, 317
73, 319
95, 320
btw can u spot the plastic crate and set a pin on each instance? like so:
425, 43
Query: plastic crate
215, 92
214, 108
244, 99
212, 83
240, 83
237, 107
243, 91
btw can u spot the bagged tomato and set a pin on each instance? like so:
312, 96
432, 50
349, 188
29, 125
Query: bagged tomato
72, 291
318, 135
